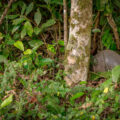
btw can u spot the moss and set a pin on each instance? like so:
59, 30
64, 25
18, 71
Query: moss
83, 3
72, 25
72, 37
76, 16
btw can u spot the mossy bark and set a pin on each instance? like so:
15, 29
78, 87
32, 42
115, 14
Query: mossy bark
78, 48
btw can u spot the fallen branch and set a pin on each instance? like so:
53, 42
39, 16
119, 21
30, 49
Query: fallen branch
5, 11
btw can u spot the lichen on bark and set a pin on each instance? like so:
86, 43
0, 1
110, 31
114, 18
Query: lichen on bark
78, 47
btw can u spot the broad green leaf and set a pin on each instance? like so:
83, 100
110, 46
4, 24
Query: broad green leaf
83, 82
15, 28
19, 45
24, 6
29, 8
1, 36
44, 26
35, 43
37, 30
47, 24
18, 21
61, 42
116, 73
29, 28
77, 95
12, 16
10, 42
23, 33
107, 40
7, 101
43, 61
2, 59
62, 49
28, 52
37, 17
51, 48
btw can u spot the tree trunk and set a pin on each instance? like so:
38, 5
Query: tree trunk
78, 48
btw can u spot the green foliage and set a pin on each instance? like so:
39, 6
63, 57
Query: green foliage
32, 82
107, 40
19, 45
37, 17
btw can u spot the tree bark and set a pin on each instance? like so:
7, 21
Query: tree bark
77, 52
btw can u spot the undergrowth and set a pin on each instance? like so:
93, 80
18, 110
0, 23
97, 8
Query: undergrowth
32, 85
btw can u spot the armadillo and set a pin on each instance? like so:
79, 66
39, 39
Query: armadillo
106, 60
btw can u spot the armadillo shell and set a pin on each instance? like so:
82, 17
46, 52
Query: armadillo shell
105, 60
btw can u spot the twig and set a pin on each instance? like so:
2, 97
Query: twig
115, 31
65, 23
5, 11
95, 34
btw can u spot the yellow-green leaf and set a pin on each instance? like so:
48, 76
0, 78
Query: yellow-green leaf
7, 101
37, 17
29, 28
19, 45
28, 52
1, 36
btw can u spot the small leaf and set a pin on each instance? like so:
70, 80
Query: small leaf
43, 61
77, 95
37, 17
23, 33
24, 6
83, 82
28, 52
35, 43
29, 8
1, 36
15, 28
29, 28
18, 21
19, 45
106, 90
12, 16
47, 24
7, 101
51, 48
37, 30
96, 30
61, 42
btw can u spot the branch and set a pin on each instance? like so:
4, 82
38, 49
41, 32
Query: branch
95, 34
65, 23
115, 31
5, 11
